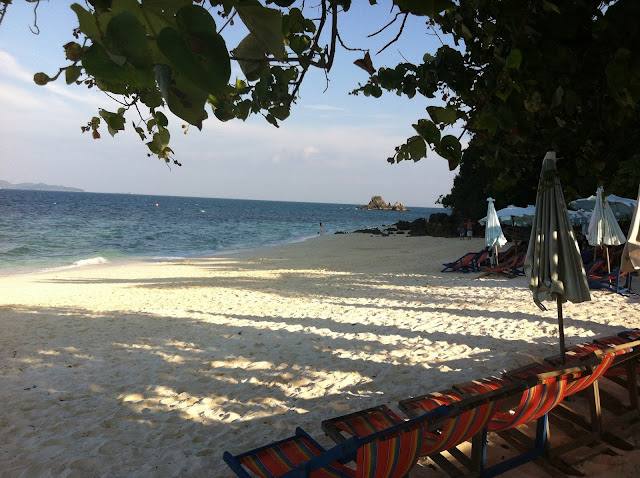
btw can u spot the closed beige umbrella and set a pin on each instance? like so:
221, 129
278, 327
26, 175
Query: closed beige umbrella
631, 252
553, 266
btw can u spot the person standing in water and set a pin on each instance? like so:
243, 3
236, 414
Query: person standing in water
321, 229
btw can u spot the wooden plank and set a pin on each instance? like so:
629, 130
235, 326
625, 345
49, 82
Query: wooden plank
461, 457
446, 466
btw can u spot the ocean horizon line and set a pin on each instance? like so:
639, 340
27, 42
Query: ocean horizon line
435, 206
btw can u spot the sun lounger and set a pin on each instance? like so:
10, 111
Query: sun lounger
509, 269
532, 395
467, 263
615, 281
467, 416
388, 453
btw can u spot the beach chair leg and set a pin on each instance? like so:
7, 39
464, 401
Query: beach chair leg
542, 434
541, 444
632, 379
479, 453
596, 408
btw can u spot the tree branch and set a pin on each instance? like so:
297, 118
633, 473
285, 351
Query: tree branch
386, 26
3, 11
35, 18
404, 21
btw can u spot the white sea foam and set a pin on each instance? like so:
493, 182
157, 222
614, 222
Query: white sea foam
90, 262
93, 261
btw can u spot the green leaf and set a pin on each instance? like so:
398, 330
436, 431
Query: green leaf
244, 108
430, 8
126, 36
284, 3
299, 43
414, 149
253, 63
158, 145
450, 149
151, 97
466, 33
514, 59
428, 130
115, 122
186, 101
72, 73
550, 7
488, 121
168, 7
97, 62
272, 120
417, 148
265, 24
161, 119
442, 115
204, 59
280, 112
86, 21
195, 20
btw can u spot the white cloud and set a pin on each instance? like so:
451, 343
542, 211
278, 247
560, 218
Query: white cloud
11, 68
310, 151
323, 108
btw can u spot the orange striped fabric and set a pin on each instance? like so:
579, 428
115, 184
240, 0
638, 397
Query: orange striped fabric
459, 429
586, 381
534, 403
283, 457
391, 457
368, 423
434, 400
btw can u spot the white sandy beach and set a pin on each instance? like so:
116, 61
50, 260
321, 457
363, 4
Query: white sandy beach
154, 369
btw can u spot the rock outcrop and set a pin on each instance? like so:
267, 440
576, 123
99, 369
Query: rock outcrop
378, 203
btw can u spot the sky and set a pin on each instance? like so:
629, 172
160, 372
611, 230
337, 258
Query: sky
332, 149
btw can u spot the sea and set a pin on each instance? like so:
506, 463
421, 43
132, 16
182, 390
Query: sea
50, 230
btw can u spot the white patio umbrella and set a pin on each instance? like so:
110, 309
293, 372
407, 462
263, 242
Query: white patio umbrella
513, 216
631, 252
493, 236
553, 266
622, 208
604, 229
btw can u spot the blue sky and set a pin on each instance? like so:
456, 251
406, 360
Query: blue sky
333, 147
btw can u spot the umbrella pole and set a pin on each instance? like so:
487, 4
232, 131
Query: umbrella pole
561, 330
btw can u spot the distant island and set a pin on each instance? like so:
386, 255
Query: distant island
378, 203
37, 187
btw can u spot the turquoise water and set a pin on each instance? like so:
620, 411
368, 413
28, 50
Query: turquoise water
42, 230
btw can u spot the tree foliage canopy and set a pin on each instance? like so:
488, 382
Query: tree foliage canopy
520, 77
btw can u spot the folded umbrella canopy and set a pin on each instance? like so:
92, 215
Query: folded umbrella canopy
604, 229
631, 252
493, 236
553, 266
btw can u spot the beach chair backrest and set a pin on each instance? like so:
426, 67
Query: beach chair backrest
391, 456
283, 459
470, 410
465, 422
546, 389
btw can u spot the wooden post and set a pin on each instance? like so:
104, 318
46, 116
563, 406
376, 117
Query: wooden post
563, 357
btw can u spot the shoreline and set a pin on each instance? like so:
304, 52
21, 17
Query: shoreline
156, 368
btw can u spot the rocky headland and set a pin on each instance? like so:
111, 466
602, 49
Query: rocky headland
380, 204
